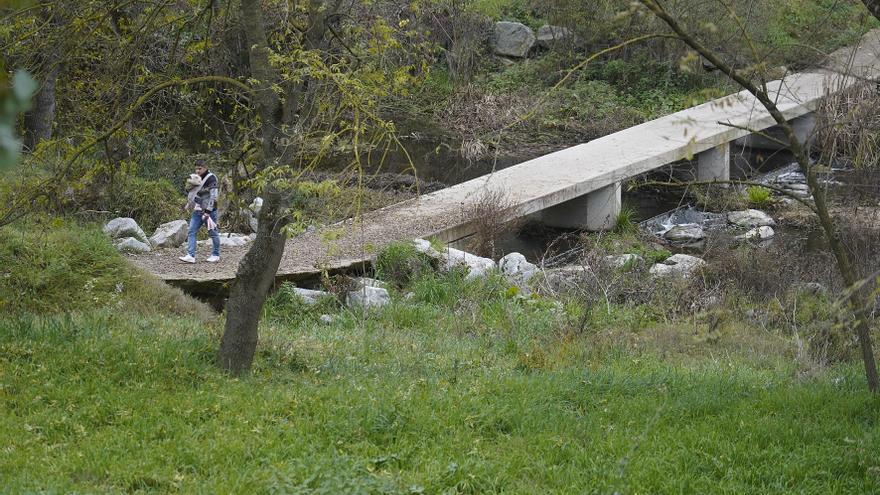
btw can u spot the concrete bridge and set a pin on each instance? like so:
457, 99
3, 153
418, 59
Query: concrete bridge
576, 187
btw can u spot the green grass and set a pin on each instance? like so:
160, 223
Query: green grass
450, 393
463, 388
55, 265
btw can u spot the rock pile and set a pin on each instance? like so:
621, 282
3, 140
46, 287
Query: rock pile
794, 183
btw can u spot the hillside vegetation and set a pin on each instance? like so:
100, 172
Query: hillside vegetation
459, 388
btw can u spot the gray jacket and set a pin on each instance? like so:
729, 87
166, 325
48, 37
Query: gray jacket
207, 195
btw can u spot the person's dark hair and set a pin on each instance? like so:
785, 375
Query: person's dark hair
201, 162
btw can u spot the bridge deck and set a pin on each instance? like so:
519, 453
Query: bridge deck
546, 181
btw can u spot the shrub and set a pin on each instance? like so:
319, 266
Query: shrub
490, 217
848, 127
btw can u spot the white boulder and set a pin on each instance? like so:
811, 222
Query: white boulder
311, 297
368, 293
757, 234
423, 246
518, 271
229, 240
551, 35
122, 227
623, 260
750, 218
515, 266
682, 265
686, 232
132, 245
476, 266
512, 39
170, 235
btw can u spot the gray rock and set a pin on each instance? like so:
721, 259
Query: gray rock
757, 234
750, 218
229, 240
132, 245
476, 266
548, 35
681, 265
311, 297
253, 213
798, 190
515, 266
623, 260
791, 178
370, 282
170, 235
119, 228
425, 247
328, 319
565, 278
512, 39
814, 288
688, 232
367, 296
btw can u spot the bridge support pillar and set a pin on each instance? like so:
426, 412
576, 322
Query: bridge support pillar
714, 164
595, 211
803, 126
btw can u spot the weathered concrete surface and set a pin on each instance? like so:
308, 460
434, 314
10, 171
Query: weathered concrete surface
596, 211
714, 164
774, 138
537, 184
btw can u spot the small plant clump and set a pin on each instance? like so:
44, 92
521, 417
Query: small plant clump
626, 221
758, 196
400, 263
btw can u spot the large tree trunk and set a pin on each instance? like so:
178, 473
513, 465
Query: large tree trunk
255, 277
38, 122
857, 298
256, 273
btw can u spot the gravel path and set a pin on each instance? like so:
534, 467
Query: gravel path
333, 247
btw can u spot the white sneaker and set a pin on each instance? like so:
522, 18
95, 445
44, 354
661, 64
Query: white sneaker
212, 259
187, 259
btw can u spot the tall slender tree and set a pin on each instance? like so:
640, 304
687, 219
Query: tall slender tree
856, 295
316, 82
256, 273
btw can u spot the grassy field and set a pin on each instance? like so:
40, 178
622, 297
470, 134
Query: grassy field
462, 388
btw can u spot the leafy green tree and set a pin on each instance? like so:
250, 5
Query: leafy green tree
317, 82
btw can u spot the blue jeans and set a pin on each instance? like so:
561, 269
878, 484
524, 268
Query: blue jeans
195, 224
